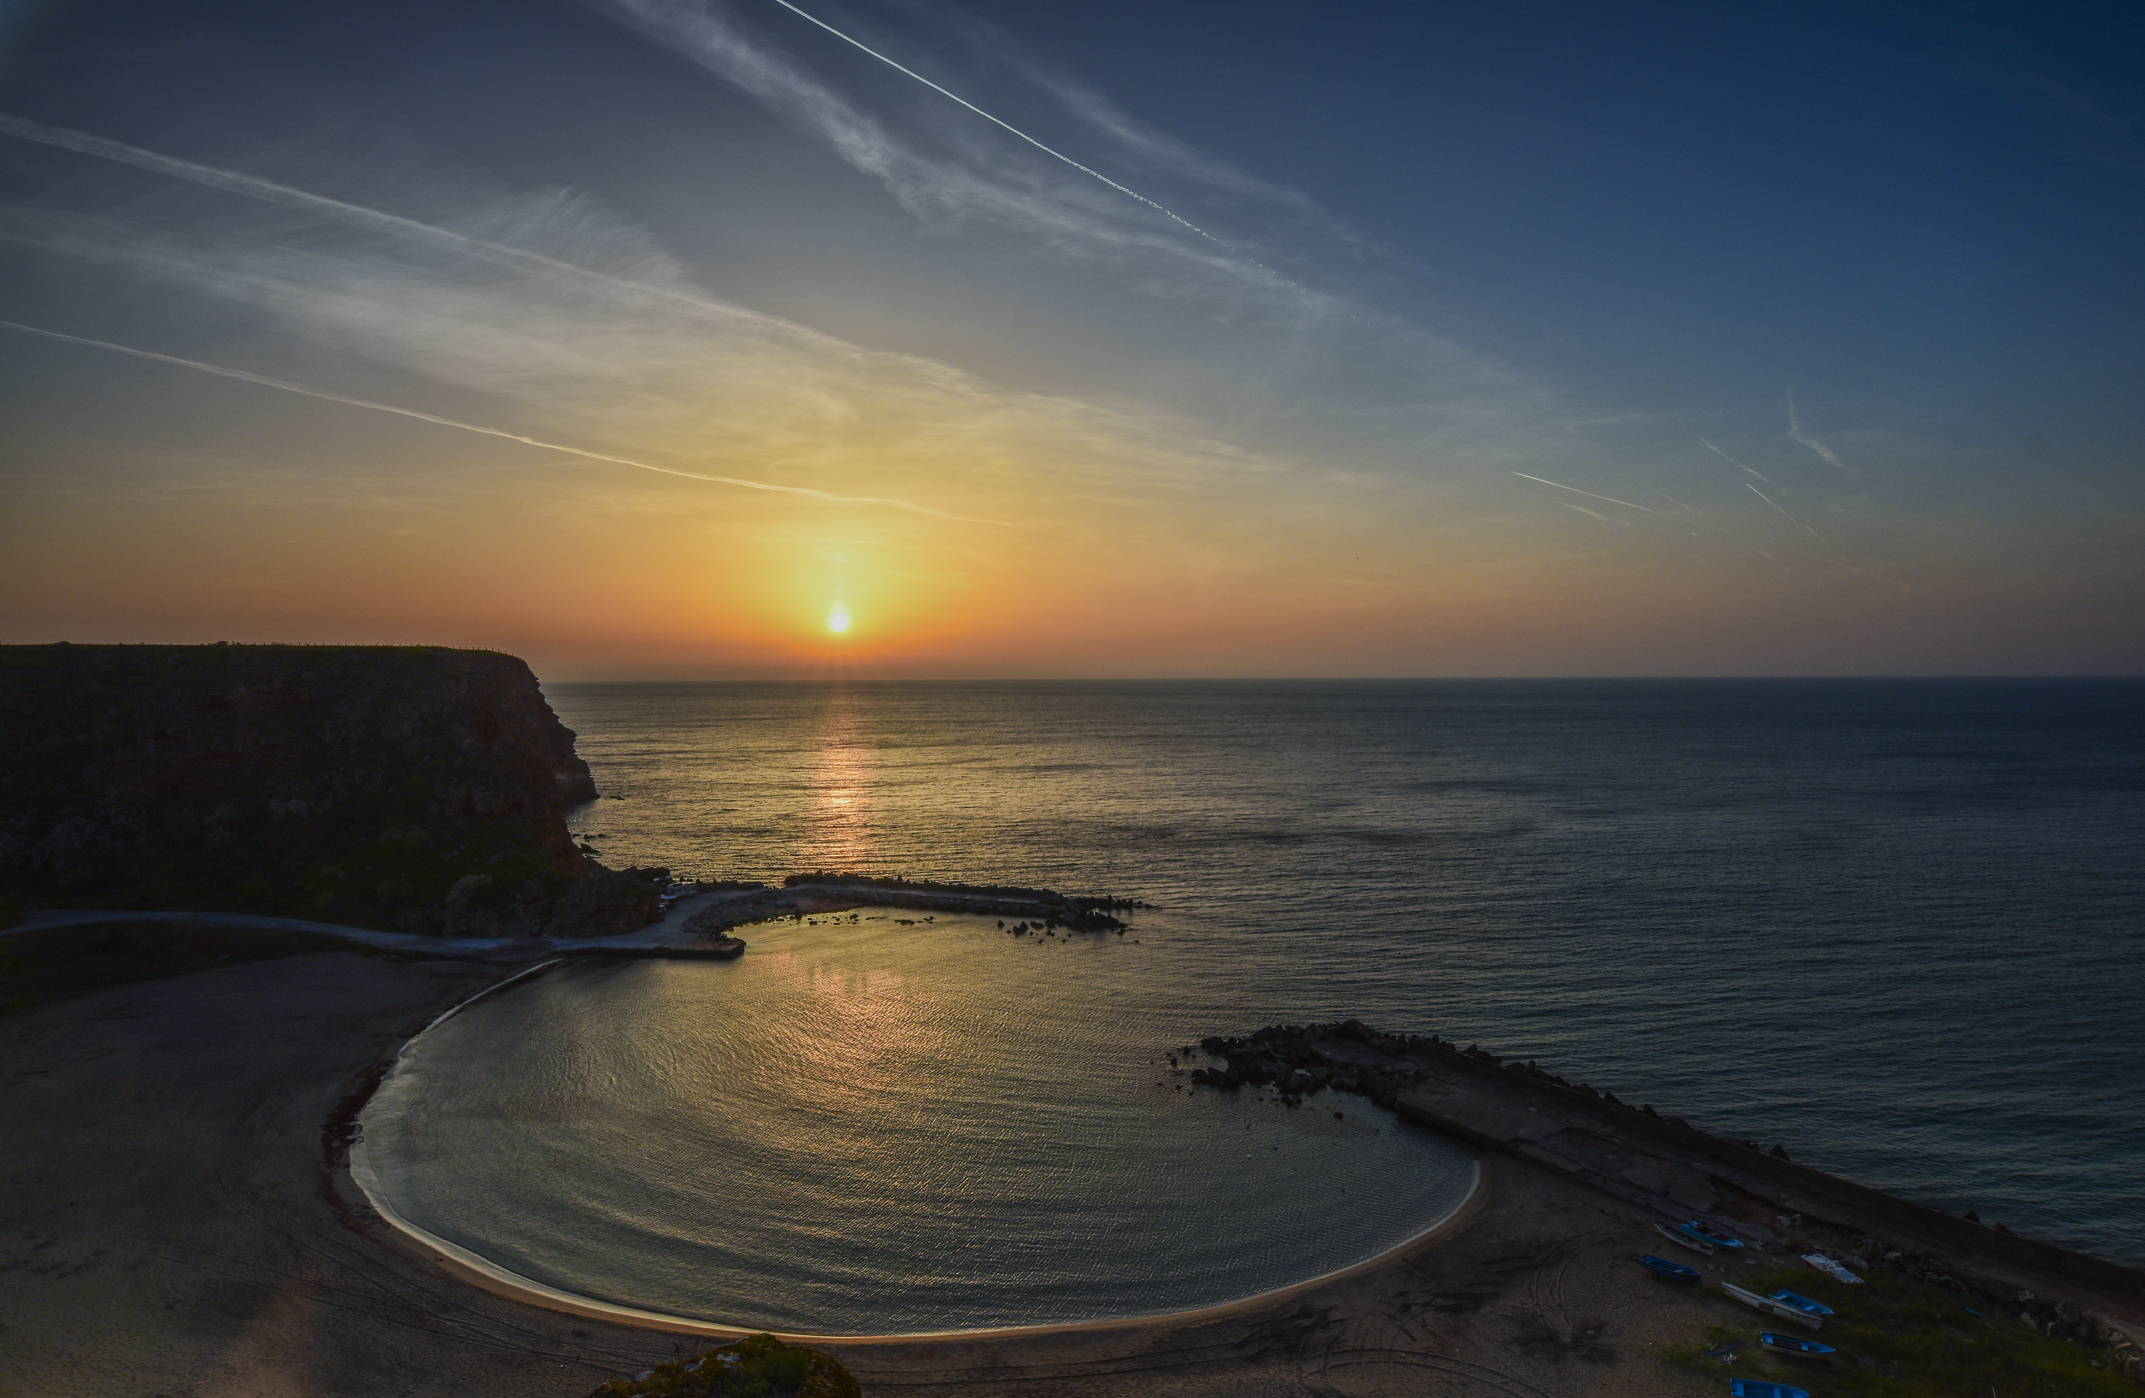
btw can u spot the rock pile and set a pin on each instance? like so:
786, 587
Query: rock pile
1298, 1060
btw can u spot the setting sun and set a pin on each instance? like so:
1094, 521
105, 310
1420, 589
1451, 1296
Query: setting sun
838, 619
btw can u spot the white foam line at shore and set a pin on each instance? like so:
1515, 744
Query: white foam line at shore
483, 1272
460, 1005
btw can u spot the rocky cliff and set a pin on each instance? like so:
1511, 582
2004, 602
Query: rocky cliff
398, 786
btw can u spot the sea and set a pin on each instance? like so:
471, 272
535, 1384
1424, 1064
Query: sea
1897, 926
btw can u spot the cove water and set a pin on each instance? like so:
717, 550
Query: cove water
1898, 926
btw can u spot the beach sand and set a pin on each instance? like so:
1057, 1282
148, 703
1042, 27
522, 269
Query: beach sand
171, 1224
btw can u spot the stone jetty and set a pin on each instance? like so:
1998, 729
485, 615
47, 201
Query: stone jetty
1672, 1169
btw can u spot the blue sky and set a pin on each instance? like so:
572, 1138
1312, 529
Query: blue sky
1234, 339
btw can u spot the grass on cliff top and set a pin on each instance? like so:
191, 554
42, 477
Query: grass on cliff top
1898, 1338
40, 967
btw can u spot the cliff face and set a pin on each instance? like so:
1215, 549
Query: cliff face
405, 786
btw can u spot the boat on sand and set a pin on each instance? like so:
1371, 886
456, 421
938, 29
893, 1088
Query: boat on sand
1680, 1240
1796, 1347
1693, 1231
1771, 1307
1758, 1388
1801, 1303
1665, 1270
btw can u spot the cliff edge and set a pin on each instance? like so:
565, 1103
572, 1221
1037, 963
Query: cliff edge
412, 787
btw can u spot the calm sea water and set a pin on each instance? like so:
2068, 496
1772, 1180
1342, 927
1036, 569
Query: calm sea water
1898, 926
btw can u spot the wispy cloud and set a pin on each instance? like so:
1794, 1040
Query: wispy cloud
1297, 343
1795, 430
1086, 219
285, 386
587, 326
1003, 124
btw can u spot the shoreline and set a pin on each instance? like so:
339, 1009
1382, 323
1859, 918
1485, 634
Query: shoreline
256, 1266
477, 1270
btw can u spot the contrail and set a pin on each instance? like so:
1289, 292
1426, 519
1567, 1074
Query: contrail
1737, 464
1590, 494
357, 215
1902, 586
1795, 431
1668, 497
264, 381
1605, 519
1786, 516
1097, 174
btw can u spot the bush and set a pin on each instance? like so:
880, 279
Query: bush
758, 1366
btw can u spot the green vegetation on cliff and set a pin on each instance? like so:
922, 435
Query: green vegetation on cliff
410, 787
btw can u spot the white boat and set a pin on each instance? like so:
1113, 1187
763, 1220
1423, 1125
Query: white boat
1771, 1307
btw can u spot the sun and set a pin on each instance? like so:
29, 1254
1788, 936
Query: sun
838, 619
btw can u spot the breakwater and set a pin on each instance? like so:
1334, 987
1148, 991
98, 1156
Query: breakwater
1672, 1168
801, 894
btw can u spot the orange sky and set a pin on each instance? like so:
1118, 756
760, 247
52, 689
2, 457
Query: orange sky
287, 370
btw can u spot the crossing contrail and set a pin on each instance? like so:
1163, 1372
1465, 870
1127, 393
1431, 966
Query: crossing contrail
1786, 516
1671, 499
1058, 154
1735, 463
1589, 494
264, 381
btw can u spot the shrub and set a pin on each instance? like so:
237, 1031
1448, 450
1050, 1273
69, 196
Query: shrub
758, 1366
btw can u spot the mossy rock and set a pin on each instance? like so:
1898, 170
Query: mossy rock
758, 1366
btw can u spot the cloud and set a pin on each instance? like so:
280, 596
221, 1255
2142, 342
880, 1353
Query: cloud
306, 391
1795, 431
1003, 124
648, 372
974, 184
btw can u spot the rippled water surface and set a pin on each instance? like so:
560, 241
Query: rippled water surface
1895, 925
868, 1128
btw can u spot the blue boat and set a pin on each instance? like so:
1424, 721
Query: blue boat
1799, 1348
1802, 1303
1758, 1388
1711, 1240
1665, 1270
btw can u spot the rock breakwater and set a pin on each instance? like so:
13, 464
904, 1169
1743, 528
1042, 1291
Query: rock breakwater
1679, 1172
802, 894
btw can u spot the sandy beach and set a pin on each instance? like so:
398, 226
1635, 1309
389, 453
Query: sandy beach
173, 1224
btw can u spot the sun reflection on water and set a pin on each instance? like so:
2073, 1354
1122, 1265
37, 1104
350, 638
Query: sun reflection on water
838, 824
